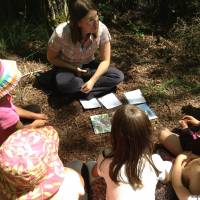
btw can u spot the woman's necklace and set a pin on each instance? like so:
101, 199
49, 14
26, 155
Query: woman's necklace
86, 42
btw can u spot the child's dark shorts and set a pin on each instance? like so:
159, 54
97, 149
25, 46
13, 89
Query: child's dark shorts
189, 141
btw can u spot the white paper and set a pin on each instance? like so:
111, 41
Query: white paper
134, 97
90, 104
110, 101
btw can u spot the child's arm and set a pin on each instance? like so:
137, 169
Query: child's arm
30, 115
94, 171
181, 191
35, 124
39, 119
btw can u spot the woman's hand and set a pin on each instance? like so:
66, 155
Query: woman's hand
87, 87
80, 72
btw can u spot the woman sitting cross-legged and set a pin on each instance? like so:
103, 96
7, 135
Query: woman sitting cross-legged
71, 50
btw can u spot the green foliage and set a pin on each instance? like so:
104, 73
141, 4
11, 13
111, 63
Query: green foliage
187, 37
58, 19
119, 4
26, 39
175, 86
2, 48
134, 28
106, 12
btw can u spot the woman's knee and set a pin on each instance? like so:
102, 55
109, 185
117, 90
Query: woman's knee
116, 74
69, 83
121, 76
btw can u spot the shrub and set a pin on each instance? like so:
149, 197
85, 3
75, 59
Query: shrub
187, 37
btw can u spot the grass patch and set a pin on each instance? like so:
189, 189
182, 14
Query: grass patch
27, 40
168, 89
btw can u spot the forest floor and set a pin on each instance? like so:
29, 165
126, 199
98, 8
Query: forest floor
148, 65
170, 88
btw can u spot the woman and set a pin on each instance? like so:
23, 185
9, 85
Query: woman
71, 49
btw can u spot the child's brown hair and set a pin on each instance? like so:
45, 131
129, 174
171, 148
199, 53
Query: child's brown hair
131, 139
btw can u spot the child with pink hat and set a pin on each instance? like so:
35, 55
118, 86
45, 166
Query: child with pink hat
9, 113
30, 168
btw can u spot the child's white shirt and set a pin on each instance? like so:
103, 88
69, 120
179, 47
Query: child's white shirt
71, 187
123, 190
194, 197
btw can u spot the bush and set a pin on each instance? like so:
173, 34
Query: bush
187, 37
27, 40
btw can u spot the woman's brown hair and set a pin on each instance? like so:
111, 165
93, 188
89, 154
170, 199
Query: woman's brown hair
131, 139
78, 9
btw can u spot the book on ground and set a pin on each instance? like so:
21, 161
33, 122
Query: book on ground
90, 104
150, 113
101, 123
134, 97
110, 101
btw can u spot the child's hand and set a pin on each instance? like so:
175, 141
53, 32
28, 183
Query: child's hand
183, 124
182, 156
38, 123
191, 120
185, 157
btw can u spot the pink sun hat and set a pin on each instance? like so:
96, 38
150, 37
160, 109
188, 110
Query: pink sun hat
30, 168
9, 76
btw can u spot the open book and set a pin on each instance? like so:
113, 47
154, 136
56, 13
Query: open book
90, 104
151, 114
101, 123
108, 101
136, 97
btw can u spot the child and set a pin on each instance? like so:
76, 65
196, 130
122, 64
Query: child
186, 176
30, 168
129, 168
10, 114
186, 168
188, 140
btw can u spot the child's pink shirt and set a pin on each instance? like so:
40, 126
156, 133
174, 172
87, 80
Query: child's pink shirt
8, 118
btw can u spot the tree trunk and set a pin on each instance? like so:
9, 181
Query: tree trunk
50, 12
55, 9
